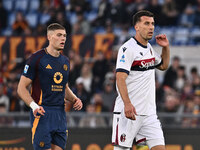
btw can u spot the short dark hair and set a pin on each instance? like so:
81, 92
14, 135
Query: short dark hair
139, 14
55, 26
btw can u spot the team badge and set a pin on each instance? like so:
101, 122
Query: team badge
26, 68
65, 67
123, 137
41, 144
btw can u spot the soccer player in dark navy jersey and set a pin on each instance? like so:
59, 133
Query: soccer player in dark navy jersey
47, 71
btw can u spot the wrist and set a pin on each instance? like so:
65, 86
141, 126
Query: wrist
34, 106
127, 103
74, 100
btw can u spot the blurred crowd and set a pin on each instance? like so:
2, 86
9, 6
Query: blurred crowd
30, 17
93, 79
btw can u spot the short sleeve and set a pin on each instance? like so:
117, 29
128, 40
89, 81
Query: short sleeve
124, 59
29, 68
158, 59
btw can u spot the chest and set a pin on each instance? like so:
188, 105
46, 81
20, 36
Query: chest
53, 70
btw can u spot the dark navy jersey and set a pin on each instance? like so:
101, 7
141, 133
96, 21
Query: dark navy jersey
49, 77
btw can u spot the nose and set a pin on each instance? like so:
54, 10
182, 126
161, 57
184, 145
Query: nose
151, 27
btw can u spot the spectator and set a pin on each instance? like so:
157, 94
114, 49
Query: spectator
171, 74
103, 13
79, 6
61, 19
187, 91
52, 12
188, 16
135, 6
193, 74
156, 9
99, 70
118, 14
169, 10
81, 92
84, 24
109, 95
86, 74
171, 105
181, 78
20, 24
190, 108
196, 83
91, 120
97, 100
76, 63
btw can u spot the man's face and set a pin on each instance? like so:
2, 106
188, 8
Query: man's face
145, 27
57, 39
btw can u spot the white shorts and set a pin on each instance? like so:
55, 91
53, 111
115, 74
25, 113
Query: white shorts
145, 129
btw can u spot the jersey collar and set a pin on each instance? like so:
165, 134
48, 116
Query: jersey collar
139, 43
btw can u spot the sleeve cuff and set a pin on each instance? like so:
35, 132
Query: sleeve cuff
122, 70
159, 64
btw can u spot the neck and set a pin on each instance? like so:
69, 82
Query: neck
52, 51
141, 40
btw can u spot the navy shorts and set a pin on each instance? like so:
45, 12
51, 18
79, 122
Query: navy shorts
49, 129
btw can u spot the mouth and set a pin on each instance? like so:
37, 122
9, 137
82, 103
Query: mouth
150, 33
62, 44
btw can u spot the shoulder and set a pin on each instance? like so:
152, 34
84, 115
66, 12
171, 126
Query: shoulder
131, 42
128, 46
37, 55
64, 58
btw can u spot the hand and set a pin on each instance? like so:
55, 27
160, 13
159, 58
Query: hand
130, 111
78, 104
162, 40
37, 112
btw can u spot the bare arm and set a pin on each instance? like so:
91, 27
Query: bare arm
163, 41
129, 109
23, 91
70, 96
26, 97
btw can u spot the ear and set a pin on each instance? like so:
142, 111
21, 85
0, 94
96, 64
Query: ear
136, 27
48, 36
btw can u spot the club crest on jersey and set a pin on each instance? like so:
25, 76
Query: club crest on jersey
26, 68
65, 67
41, 144
123, 137
122, 59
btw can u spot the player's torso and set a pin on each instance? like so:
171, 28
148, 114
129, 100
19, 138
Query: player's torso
141, 79
51, 78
